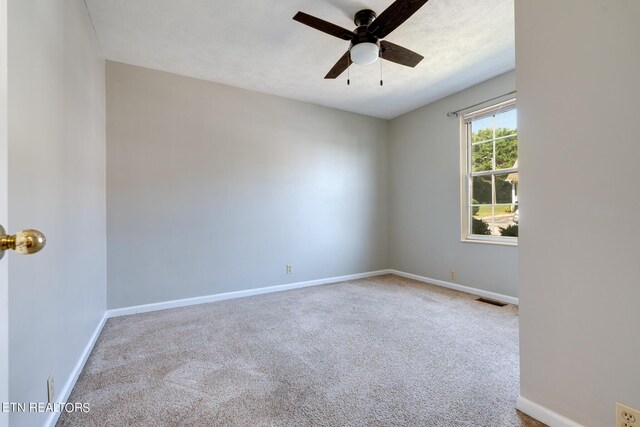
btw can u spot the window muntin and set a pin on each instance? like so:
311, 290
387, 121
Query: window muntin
491, 175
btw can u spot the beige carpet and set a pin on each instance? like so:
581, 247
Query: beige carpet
385, 351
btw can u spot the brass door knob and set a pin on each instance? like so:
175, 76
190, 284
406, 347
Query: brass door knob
23, 242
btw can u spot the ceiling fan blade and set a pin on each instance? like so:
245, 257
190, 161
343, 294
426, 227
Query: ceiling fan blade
341, 65
399, 55
324, 26
394, 16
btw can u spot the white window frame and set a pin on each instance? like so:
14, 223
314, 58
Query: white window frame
466, 176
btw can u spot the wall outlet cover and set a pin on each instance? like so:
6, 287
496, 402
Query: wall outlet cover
626, 416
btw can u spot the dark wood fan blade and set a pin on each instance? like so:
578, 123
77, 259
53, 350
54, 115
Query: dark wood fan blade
341, 65
393, 16
324, 26
399, 55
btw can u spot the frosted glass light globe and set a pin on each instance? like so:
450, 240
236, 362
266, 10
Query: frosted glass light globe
364, 53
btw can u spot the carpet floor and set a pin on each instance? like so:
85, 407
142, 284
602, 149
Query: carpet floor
383, 351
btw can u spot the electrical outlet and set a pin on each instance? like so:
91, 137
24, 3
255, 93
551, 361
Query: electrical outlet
289, 269
627, 417
51, 388
452, 275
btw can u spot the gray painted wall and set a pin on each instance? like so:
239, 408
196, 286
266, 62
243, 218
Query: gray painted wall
213, 189
424, 151
577, 72
56, 183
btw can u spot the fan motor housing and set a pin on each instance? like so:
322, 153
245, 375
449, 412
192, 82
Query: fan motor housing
363, 36
364, 18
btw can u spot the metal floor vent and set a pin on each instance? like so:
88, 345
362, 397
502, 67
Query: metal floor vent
491, 301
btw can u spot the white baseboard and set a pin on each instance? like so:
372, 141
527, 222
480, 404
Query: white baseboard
64, 393
545, 415
469, 290
146, 308
236, 294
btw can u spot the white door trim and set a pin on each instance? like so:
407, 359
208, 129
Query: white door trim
4, 276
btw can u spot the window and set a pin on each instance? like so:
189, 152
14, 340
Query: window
490, 175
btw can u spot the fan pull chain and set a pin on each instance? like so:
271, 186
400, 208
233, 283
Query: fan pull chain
348, 65
380, 55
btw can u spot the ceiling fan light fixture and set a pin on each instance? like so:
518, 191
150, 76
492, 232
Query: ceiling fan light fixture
364, 53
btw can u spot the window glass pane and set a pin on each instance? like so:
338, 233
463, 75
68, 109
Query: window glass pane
506, 189
499, 221
482, 157
482, 130
507, 120
482, 217
480, 226
505, 221
481, 190
483, 211
506, 152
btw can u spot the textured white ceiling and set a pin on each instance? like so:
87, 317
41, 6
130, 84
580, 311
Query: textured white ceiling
257, 45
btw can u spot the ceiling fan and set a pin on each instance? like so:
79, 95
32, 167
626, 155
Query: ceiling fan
366, 43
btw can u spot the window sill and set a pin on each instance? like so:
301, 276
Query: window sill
491, 242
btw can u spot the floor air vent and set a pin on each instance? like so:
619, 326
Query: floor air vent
491, 301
